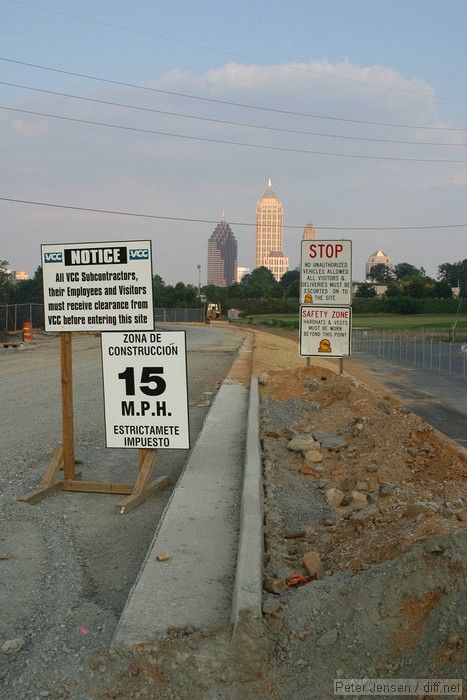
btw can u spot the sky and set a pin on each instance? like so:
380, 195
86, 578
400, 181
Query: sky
152, 119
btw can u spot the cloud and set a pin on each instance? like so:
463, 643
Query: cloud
116, 169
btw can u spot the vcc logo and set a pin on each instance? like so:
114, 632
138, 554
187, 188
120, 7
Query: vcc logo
53, 257
139, 254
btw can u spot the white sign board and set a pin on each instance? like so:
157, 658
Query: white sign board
98, 286
326, 273
325, 331
146, 390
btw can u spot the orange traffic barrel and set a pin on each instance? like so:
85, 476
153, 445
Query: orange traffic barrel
27, 332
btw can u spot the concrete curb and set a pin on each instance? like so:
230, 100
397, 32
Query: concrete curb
249, 574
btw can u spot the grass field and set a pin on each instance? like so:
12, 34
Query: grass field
394, 322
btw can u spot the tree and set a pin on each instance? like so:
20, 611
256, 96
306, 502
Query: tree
28, 291
406, 271
442, 290
290, 283
381, 273
455, 274
259, 284
5, 282
418, 287
365, 291
392, 291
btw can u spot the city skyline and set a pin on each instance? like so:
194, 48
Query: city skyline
357, 112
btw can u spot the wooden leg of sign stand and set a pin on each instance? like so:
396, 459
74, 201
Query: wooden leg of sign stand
143, 488
64, 456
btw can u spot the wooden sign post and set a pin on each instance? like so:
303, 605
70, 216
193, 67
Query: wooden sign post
77, 277
64, 455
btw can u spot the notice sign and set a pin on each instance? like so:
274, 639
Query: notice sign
98, 286
326, 273
145, 390
325, 331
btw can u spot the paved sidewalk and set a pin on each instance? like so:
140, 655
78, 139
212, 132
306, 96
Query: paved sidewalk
212, 573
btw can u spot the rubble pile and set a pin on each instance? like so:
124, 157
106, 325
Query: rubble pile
370, 478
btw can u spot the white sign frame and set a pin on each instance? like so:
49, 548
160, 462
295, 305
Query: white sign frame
325, 331
146, 390
98, 286
326, 272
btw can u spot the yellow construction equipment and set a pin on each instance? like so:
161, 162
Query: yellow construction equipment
213, 311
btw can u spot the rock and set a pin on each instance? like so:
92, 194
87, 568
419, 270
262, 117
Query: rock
359, 501
361, 486
271, 605
433, 547
312, 563
321, 483
334, 497
327, 440
12, 646
347, 500
462, 515
328, 638
313, 456
264, 378
278, 586
307, 469
302, 444
362, 516
413, 510
455, 640
386, 489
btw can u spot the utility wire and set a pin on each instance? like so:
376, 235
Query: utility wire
233, 223
230, 53
227, 142
224, 121
226, 102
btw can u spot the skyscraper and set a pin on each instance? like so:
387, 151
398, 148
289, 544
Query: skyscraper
269, 216
222, 256
309, 232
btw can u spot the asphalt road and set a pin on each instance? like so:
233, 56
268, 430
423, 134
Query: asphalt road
438, 398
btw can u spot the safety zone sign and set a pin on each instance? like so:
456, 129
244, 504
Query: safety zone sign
146, 390
325, 331
326, 273
98, 286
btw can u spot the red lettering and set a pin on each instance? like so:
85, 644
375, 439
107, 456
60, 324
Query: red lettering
325, 250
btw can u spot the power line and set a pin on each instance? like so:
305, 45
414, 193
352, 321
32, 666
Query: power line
230, 53
226, 102
224, 121
227, 142
233, 223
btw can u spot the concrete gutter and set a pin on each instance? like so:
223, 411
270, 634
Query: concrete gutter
212, 526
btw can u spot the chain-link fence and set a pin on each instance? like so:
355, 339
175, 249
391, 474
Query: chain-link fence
433, 351
12, 317
179, 315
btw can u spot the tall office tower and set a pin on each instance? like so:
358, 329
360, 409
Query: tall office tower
222, 256
309, 232
269, 214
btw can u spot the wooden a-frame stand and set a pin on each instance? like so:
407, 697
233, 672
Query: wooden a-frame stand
64, 455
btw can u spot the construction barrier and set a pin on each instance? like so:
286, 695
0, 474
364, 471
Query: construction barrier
27, 332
